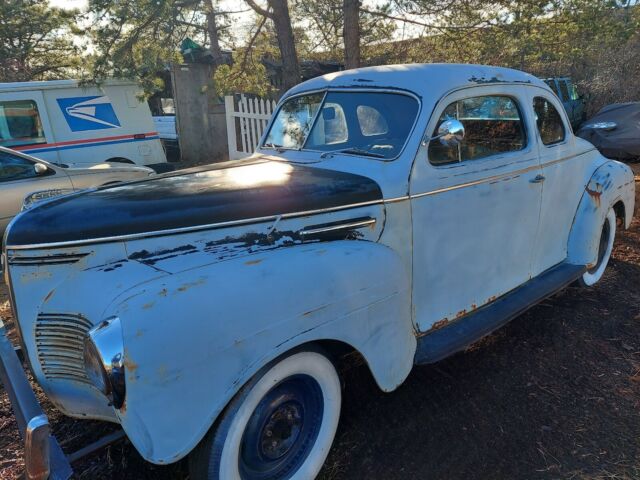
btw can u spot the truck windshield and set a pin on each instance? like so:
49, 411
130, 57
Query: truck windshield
370, 124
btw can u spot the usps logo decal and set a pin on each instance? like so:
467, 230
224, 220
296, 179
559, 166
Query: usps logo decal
88, 113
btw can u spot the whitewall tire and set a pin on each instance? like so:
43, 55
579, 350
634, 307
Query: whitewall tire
279, 426
605, 247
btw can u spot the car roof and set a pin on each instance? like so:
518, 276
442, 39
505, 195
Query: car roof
432, 80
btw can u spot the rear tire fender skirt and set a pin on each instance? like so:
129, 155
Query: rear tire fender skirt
611, 183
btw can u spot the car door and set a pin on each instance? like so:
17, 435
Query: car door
564, 174
475, 207
18, 178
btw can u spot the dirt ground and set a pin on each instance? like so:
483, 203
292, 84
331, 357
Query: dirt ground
555, 394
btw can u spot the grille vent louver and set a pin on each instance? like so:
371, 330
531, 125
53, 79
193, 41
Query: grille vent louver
47, 259
60, 343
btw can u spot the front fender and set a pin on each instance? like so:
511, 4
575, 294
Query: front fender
192, 339
611, 183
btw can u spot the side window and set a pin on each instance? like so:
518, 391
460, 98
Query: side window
574, 92
371, 121
493, 125
13, 167
549, 121
552, 85
20, 124
564, 90
335, 124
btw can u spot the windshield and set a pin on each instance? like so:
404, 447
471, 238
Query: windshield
374, 124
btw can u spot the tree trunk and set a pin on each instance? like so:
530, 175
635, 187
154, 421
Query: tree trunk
351, 33
214, 37
286, 43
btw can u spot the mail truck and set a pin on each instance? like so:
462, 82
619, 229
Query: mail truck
69, 123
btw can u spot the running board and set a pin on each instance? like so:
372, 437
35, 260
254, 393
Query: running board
439, 344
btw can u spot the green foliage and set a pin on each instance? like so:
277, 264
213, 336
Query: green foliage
36, 41
136, 39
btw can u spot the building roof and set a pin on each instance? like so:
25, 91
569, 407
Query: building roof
432, 79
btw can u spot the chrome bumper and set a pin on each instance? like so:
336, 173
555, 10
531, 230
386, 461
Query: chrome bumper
43, 456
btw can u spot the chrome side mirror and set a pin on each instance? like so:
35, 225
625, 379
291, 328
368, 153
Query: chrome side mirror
450, 133
40, 168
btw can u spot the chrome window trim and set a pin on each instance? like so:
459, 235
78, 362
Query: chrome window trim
526, 148
345, 89
566, 130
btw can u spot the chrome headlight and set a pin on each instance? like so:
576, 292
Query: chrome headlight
104, 360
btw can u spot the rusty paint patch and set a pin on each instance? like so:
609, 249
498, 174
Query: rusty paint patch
163, 292
439, 324
253, 262
461, 313
139, 333
596, 195
188, 285
147, 306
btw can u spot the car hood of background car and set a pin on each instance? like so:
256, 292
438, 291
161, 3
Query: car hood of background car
622, 142
233, 191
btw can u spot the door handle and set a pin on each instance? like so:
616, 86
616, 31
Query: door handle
537, 179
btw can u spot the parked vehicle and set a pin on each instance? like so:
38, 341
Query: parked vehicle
64, 122
572, 101
25, 179
397, 211
615, 131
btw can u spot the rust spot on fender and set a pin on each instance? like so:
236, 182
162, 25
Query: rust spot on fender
147, 306
461, 313
596, 195
163, 292
253, 262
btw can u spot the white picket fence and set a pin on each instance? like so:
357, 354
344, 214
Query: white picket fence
246, 120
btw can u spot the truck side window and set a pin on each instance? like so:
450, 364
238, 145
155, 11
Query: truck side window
549, 121
562, 84
493, 125
13, 167
20, 124
552, 85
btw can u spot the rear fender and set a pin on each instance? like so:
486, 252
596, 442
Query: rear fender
192, 339
611, 183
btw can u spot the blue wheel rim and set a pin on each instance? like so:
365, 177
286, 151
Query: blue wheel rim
282, 430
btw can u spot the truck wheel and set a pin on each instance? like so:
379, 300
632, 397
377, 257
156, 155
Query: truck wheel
279, 426
605, 246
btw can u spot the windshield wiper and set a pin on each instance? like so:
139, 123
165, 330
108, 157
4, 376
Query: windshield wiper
355, 151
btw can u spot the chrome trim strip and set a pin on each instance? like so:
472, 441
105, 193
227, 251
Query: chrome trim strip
343, 226
211, 226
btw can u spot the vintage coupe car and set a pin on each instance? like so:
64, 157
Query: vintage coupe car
400, 211
25, 177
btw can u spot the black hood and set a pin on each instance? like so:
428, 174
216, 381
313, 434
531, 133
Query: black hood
208, 195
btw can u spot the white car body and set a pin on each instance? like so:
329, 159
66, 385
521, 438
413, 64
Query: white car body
401, 259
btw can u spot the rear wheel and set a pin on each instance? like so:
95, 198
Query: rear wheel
605, 246
279, 426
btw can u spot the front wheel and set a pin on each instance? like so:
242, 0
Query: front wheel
605, 246
279, 426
